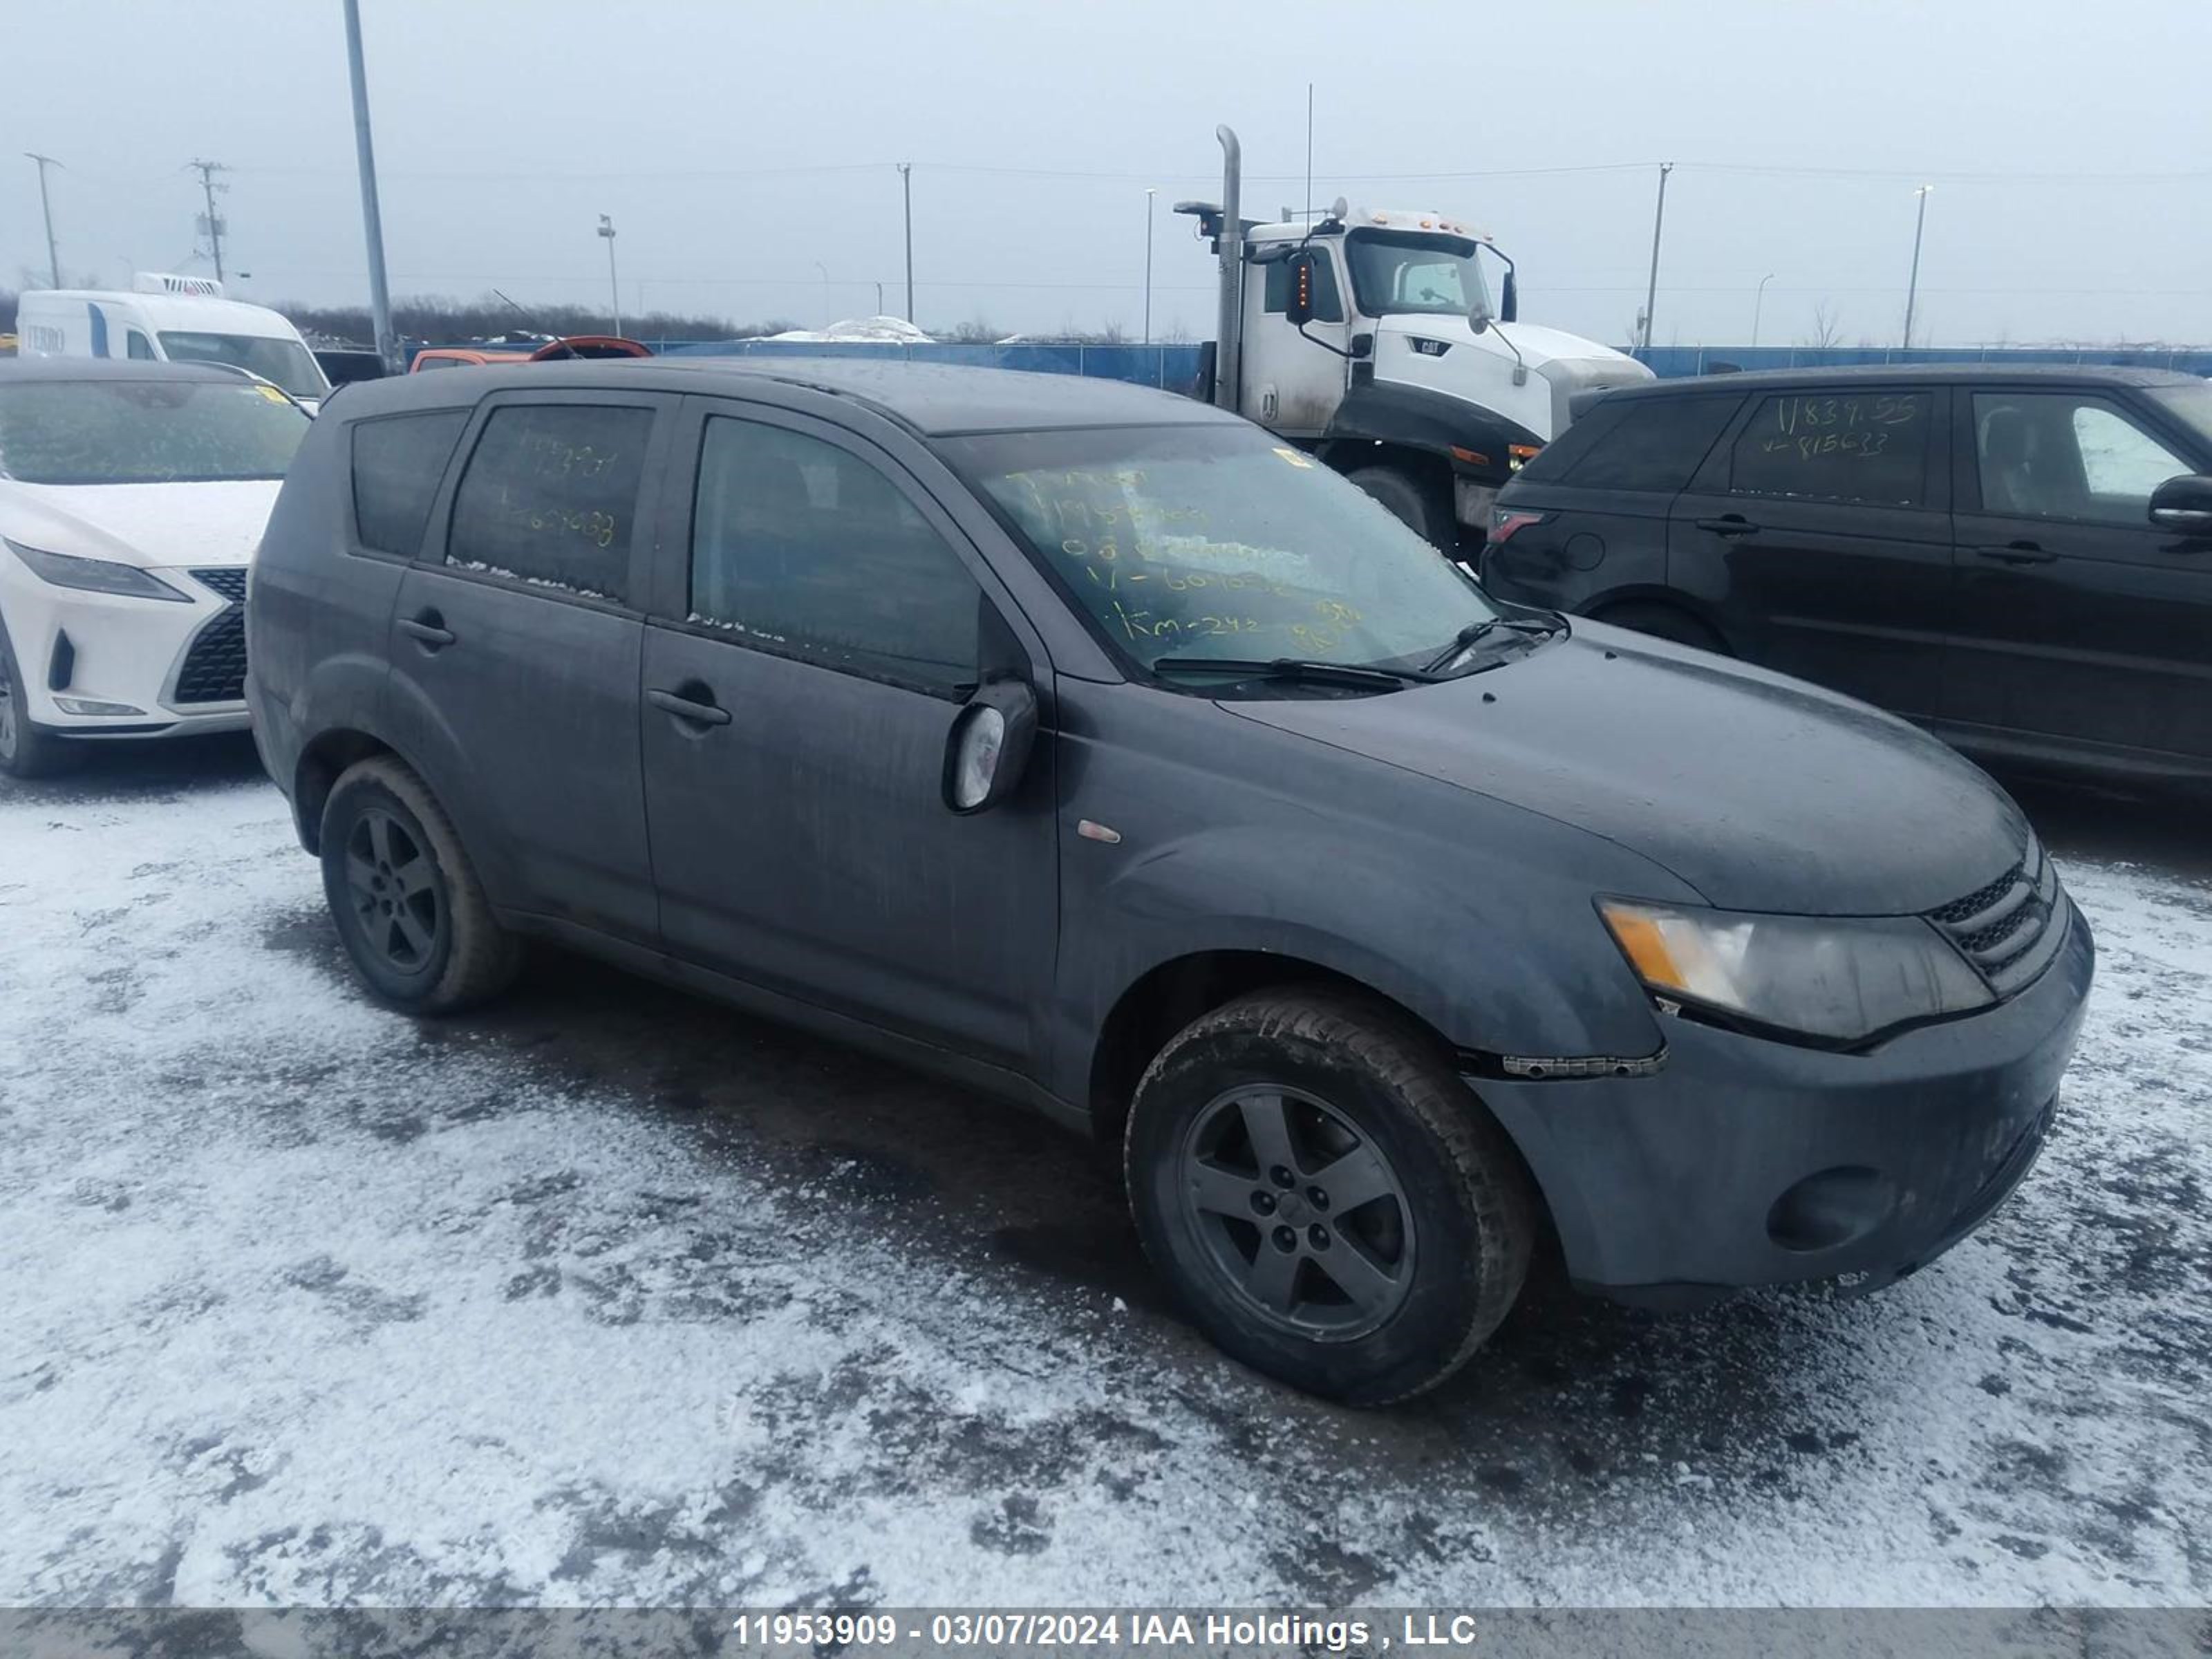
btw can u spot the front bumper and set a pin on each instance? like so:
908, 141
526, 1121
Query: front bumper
1745, 1162
148, 656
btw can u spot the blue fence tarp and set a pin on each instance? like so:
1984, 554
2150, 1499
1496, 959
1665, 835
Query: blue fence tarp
1670, 362
1172, 368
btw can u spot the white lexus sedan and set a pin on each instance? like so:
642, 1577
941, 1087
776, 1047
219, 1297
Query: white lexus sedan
132, 495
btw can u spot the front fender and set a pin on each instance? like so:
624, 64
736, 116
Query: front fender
1520, 965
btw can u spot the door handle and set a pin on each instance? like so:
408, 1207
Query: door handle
427, 628
1734, 525
685, 708
2017, 553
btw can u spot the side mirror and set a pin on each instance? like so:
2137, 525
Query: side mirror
1479, 316
1509, 299
988, 750
1298, 303
2183, 504
1363, 345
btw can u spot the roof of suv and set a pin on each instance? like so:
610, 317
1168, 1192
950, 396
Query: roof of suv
113, 368
939, 399
1901, 373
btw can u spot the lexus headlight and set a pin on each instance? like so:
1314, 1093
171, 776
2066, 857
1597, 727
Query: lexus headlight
95, 575
1839, 979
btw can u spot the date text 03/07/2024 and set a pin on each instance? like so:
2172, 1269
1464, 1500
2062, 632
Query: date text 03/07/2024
1210, 1630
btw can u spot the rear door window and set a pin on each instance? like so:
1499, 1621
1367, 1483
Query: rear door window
550, 497
1870, 447
1653, 444
396, 463
805, 549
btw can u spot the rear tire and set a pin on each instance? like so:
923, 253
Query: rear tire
1423, 505
1666, 622
408, 907
28, 750
1370, 1293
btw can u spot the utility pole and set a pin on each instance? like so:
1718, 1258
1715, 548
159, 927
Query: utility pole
371, 219
1658, 221
207, 171
1309, 215
53, 258
905, 185
1912, 287
614, 288
879, 298
1149, 195
1758, 304
829, 310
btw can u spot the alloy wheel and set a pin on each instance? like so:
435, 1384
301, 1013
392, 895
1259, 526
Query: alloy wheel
1299, 1210
394, 889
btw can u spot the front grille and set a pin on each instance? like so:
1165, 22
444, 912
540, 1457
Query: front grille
230, 582
2012, 929
214, 667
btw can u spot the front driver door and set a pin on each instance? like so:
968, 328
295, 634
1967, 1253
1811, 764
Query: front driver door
829, 621
2082, 625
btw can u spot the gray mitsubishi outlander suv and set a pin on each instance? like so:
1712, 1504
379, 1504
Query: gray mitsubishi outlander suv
1100, 751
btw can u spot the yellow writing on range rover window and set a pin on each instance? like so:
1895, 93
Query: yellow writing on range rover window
1811, 427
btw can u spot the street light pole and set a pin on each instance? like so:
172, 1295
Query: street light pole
1912, 287
1658, 221
1758, 304
1149, 195
53, 258
372, 219
614, 288
879, 298
906, 187
826, 307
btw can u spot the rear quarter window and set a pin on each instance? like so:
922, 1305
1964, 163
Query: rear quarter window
396, 463
550, 497
1652, 444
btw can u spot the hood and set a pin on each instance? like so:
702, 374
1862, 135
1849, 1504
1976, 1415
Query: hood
1538, 345
151, 526
1761, 792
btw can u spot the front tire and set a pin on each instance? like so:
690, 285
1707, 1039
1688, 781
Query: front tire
1324, 1195
409, 908
28, 750
1423, 505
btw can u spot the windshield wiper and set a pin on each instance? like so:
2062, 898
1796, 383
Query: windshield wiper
1292, 668
1475, 632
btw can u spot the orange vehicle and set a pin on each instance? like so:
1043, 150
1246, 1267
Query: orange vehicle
574, 345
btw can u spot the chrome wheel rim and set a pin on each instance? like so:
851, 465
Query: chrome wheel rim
1300, 1210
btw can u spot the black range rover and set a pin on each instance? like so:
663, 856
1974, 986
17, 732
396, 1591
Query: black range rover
2019, 559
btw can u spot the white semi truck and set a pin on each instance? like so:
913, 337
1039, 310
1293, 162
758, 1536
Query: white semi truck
1370, 336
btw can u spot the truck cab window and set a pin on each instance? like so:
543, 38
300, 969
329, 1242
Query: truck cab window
1404, 272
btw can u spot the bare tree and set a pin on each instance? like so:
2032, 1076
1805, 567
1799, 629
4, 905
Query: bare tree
1827, 327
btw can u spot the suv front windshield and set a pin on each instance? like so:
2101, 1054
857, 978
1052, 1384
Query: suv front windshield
99, 432
1394, 270
2191, 405
1204, 541
287, 363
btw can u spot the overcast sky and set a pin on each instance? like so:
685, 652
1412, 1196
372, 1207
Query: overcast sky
746, 151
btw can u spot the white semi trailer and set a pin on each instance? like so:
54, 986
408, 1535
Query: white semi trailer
1370, 338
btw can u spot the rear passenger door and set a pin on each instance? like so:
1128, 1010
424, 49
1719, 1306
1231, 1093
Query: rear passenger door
1818, 535
821, 622
515, 646
2080, 622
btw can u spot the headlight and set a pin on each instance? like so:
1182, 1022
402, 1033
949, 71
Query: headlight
95, 575
1839, 979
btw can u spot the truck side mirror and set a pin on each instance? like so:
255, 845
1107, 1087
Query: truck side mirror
1509, 299
1478, 314
1299, 302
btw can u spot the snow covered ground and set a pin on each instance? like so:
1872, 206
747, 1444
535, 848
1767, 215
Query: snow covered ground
608, 1294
